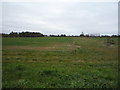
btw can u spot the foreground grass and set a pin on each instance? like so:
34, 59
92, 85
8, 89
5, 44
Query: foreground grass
59, 62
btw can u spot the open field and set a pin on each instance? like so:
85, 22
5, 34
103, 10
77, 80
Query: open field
59, 62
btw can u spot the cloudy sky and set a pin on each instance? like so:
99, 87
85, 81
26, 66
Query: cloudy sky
69, 18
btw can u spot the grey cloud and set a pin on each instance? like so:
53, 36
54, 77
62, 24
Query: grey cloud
56, 18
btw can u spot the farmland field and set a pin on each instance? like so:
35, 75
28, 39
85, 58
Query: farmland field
59, 62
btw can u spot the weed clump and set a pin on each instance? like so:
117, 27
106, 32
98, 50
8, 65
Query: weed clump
48, 72
110, 42
19, 67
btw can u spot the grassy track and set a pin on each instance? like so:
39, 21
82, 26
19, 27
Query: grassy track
59, 62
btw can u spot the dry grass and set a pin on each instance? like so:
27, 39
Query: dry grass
54, 46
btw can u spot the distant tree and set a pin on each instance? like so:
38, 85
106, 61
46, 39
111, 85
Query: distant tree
52, 35
14, 34
4, 35
25, 34
82, 34
114, 36
87, 35
63, 35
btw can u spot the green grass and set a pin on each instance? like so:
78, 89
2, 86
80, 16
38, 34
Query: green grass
59, 62
39, 41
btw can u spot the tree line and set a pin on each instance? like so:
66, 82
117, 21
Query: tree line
37, 34
23, 34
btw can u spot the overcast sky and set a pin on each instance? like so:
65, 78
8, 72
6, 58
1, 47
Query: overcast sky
69, 18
